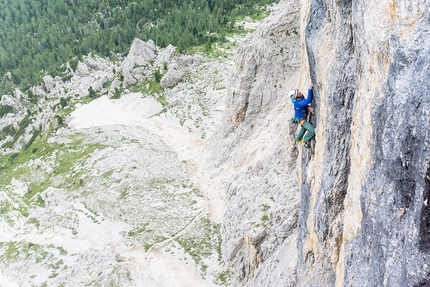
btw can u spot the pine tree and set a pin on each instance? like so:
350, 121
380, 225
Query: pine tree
43, 35
91, 93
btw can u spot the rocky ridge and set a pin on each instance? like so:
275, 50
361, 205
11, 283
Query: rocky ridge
254, 157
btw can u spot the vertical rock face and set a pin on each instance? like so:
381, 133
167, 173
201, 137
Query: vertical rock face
364, 186
333, 69
251, 154
263, 64
364, 211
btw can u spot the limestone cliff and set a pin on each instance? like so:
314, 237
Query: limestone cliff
364, 215
364, 186
253, 155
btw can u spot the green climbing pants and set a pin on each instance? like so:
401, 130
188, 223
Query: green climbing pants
308, 129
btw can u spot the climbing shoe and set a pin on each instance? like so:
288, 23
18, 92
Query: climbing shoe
301, 142
307, 145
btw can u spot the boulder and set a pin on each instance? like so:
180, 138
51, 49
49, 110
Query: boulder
140, 54
82, 70
92, 63
116, 84
165, 55
49, 83
171, 78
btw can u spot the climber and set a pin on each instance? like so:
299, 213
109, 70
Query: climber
301, 112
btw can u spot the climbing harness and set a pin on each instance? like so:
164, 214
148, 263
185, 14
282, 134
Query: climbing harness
302, 122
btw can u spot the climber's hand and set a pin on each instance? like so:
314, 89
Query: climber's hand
311, 86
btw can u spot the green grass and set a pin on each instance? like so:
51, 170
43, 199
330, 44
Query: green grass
8, 130
21, 129
62, 251
223, 277
23, 210
11, 251
137, 231
162, 100
34, 254
62, 156
203, 243
147, 246
265, 207
4, 207
257, 15
107, 84
148, 87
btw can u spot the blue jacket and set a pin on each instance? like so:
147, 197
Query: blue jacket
301, 106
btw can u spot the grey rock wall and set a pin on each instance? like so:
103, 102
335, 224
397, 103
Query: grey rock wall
395, 226
364, 186
364, 213
262, 64
252, 154
338, 84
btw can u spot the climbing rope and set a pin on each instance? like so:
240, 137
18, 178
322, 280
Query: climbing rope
304, 42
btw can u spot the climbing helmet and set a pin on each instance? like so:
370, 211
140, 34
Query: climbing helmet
293, 94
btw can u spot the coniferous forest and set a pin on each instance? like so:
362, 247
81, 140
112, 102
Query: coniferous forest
37, 37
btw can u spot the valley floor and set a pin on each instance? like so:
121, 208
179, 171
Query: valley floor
122, 199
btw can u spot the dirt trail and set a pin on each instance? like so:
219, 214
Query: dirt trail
155, 267
187, 147
191, 150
